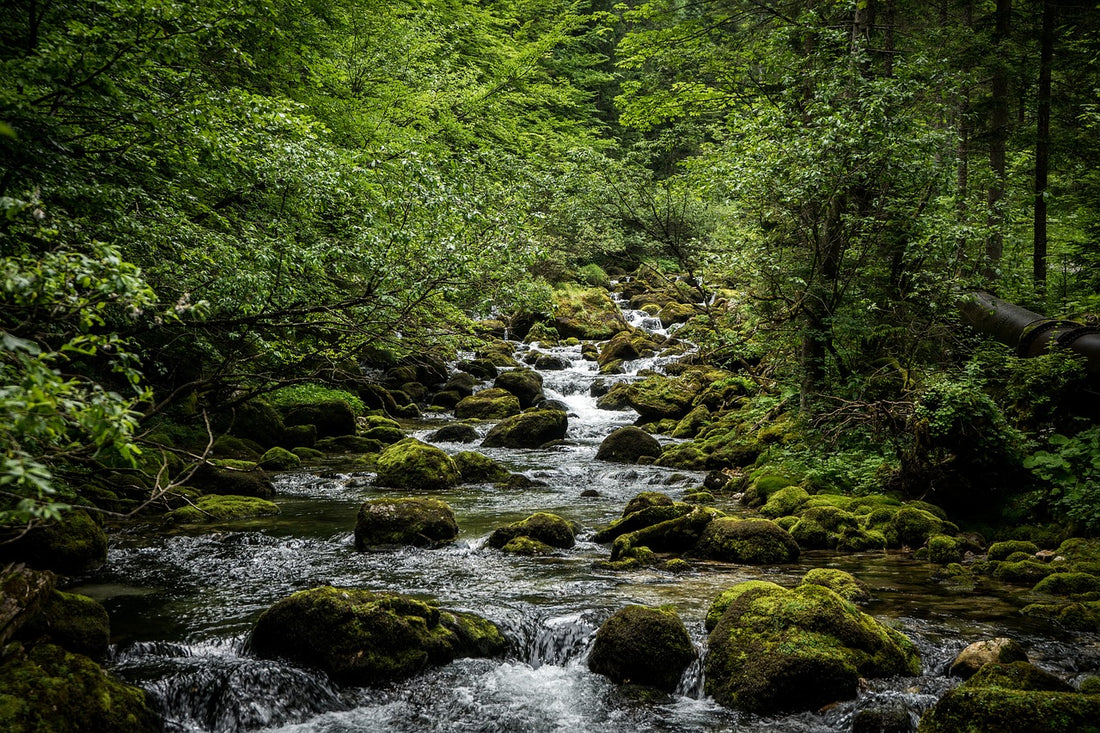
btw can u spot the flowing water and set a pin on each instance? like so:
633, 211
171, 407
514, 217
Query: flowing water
182, 603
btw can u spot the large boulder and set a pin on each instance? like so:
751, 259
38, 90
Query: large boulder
1012, 697
525, 384
488, 404
360, 637
775, 649
544, 527
640, 515
989, 651
751, 541
418, 521
528, 430
455, 433
50, 689
221, 508
627, 445
78, 623
216, 479
655, 398
412, 464
72, 545
587, 314
260, 422
332, 418
643, 646
477, 468
680, 534
626, 346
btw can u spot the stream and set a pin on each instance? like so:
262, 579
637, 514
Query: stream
182, 602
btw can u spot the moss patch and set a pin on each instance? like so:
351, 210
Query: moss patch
222, 508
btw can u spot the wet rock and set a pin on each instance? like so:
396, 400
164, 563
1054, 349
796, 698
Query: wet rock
990, 651
349, 444
542, 526
360, 637
75, 622
645, 500
524, 545
300, 436
627, 445
886, 717
488, 404
543, 334
913, 526
482, 369
50, 689
751, 541
1012, 697
785, 501
1001, 550
642, 517
448, 399
626, 346
72, 545
525, 384
1074, 616
332, 418
411, 464
775, 649
415, 391
456, 433
23, 593
221, 508
260, 422
587, 314
654, 398
497, 353
552, 405
642, 646
417, 521
528, 430
690, 425
377, 397
843, 584
674, 535
463, 383
675, 313
279, 459
551, 363
1068, 584
477, 468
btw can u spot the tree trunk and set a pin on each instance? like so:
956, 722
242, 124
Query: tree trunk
998, 124
1042, 150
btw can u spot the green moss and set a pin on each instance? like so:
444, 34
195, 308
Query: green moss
1023, 571
753, 541
531, 429
784, 501
477, 468
75, 622
1001, 550
411, 464
308, 454
810, 535
1067, 584
279, 459
349, 444
944, 549
686, 456
72, 545
1090, 685
542, 526
719, 605
763, 485
418, 521
312, 393
1084, 616
680, 534
913, 526
488, 404
222, 508
699, 497
524, 545
644, 646
50, 689
843, 584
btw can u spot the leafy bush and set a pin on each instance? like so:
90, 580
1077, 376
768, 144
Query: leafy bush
1072, 467
594, 276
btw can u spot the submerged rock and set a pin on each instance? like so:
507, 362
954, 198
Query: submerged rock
411, 464
418, 521
361, 637
627, 445
1012, 697
528, 430
643, 646
775, 649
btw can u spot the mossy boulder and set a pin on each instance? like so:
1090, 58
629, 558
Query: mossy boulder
642, 515
221, 508
525, 384
332, 418
680, 534
676, 313
530, 429
844, 584
477, 468
642, 646
349, 444
625, 346
913, 526
1001, 550
78, 623
655, 397
279, 459
417, 521
412, 464
989, 651
627, 445
488, 404
690, 425
763, 484
1074, 616
1027, 572
587, 314
1013, 697
457, 433
220, 479
1068, 584
775, 649
300, 436
785, 501
524, 545
645, 500
480, 369
542, 526
944, 549
544, 334
258, 421
384, 430
360, 637
51, 689
685, 456
751, 541
72, 545
498, 354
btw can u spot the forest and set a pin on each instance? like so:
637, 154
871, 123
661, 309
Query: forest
226, 225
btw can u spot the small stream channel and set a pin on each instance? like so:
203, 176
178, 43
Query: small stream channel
182, 603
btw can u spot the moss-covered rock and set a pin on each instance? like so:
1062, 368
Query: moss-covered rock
625, 346
279, 459
477, 468
765, 483
332, 418
543, 334
1001, 550
627, 445
1082, 616
680, 534
258, 421
913, 526
654, 398
646, 499
642, 646
481, 369
412, 464
642, 515
72, 545
456, 433
222, 508
50, 689
752, 541
989, 651
776, 649
530, 429
846, 585
542, 526
78, 623
587, 314
349, 444
676, 313
690, 425
418, 521
360, 637
488, 404
524, 545
1028, 572
1068, 584
944, 549
685, 456
525, 384
212, 479
784, 502
497, 353
1012, 697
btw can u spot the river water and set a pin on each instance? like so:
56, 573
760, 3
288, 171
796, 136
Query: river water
182, 603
